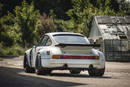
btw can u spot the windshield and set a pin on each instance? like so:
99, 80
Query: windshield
71, 39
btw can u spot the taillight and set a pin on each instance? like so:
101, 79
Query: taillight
74, 57
56, 56
79, 57
97, 57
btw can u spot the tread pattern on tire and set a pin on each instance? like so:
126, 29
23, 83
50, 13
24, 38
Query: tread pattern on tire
96, 72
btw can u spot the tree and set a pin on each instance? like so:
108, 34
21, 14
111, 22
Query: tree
47, 25
81, 15
124, 7
26, 23
60, 7
6, 25
1, 8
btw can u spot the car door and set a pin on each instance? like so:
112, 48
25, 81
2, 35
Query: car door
36, 48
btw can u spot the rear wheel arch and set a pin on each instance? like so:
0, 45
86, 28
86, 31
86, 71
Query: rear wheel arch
38, 60
38, 69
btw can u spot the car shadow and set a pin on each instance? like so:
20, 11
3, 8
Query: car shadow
78, 75
12, 77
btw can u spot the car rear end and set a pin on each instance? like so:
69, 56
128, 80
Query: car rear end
80, 57
74, 52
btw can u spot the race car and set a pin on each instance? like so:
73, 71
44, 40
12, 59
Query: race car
64, 51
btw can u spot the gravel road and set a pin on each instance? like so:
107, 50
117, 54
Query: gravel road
12, 75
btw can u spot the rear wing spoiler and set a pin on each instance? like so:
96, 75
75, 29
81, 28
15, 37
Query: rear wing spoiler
89, 45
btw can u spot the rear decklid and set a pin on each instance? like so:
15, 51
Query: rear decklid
77, 49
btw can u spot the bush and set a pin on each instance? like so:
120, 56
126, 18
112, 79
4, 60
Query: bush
11, 51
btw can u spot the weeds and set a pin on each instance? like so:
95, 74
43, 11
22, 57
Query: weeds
11, 51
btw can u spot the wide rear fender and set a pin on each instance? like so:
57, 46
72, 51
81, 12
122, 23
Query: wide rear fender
99, 53
47, 52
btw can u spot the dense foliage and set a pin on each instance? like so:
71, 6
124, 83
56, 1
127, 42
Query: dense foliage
23, 22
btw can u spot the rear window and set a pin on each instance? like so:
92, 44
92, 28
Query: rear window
71, 39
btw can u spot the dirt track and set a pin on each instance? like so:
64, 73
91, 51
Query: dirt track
12, 75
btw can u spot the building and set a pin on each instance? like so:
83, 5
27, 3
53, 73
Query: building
113, 33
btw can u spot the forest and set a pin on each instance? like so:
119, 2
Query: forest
24, 22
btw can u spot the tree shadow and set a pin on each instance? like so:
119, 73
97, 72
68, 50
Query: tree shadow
10, 77
8, 57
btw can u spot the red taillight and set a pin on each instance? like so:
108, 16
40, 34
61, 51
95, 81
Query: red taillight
79, 57
74, 57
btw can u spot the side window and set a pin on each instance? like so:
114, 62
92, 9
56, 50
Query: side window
40, 41
43, 41
49, 42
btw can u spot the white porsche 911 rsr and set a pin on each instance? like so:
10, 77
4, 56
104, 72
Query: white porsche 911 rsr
64, 51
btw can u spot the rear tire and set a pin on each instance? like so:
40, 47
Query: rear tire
26, 66
96, 72
75, 71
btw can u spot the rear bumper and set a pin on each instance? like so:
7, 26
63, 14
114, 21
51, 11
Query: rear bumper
71, 63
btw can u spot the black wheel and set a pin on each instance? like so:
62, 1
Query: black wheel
99, 72
75, 71
96, 72
26, 66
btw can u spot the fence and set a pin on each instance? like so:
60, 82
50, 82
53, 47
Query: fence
117, 50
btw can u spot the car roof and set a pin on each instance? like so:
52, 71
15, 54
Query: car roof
55, 33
